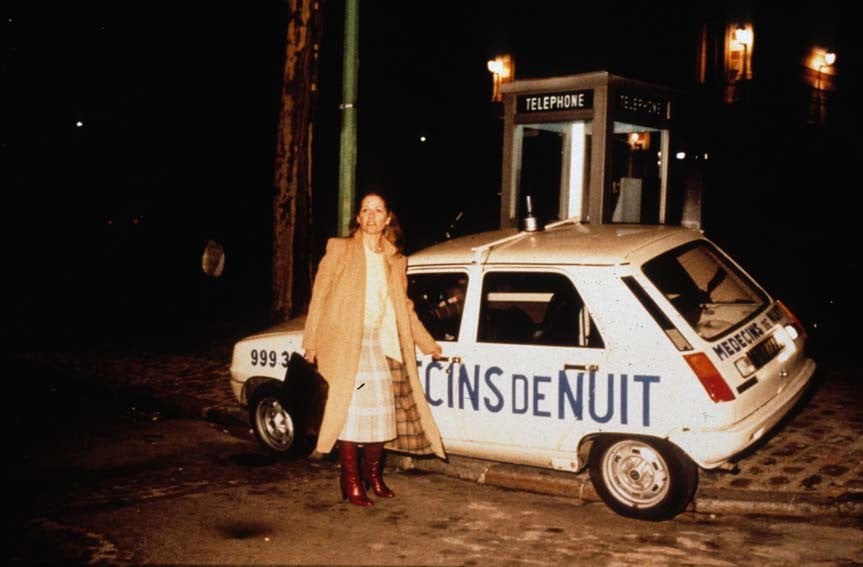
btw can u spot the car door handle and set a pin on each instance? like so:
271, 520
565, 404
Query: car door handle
454, 359
588, 367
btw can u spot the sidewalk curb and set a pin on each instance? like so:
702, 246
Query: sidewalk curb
579, 486
777, 503
567, 484
517, 477
195, 408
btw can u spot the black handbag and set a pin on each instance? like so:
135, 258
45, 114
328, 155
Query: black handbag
307, 391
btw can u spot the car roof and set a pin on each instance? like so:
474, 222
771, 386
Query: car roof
564, 242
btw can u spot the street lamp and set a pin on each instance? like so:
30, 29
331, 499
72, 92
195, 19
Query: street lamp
743, 35
827, 61
502, 69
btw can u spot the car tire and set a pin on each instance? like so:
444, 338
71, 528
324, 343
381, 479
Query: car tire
642, 478
276, 426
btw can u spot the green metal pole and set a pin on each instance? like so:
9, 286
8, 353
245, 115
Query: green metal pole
348, 151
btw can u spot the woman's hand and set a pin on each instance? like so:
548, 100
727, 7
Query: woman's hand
311, 356
437, 352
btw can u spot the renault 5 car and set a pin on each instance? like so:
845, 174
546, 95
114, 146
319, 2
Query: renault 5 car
640, 353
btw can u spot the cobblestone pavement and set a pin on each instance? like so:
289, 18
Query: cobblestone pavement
813, 464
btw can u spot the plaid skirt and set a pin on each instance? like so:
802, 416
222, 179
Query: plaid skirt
371, 415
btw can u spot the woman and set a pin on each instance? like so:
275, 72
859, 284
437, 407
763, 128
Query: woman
362, 331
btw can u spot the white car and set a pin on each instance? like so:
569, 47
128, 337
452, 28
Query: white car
641, 352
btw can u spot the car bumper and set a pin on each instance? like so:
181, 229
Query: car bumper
711, 448
237, 389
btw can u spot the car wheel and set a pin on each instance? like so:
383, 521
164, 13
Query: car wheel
647, 479
275, 426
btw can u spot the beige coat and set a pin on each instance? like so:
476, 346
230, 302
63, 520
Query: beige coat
334, 329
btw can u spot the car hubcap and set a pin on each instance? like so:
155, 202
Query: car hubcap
636, 474
276, 424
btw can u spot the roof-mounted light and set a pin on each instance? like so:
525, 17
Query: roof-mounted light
530, 223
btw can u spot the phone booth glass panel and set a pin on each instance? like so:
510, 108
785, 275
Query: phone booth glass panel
552, 165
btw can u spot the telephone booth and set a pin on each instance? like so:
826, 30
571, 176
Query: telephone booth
593, 147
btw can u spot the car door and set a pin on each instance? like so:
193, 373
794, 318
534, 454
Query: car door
519, 379
440, 301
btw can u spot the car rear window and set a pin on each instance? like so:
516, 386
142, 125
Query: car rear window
534, 308
706, 288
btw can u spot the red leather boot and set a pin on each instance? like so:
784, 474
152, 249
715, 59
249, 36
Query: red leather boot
372, 470
352, 486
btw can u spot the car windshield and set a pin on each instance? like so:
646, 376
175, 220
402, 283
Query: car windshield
706, 288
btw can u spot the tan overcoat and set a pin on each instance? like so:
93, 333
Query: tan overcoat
334, 329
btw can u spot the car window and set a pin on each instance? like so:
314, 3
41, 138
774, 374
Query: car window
705, 288
534, 308
439, 302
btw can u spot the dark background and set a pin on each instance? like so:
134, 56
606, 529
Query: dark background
104, 224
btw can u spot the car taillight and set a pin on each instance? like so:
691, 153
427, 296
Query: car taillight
795, 322
709, 377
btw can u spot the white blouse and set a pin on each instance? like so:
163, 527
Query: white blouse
379, 312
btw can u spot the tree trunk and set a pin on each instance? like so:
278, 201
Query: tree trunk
292, 218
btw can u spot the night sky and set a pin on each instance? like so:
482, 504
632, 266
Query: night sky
133, 133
